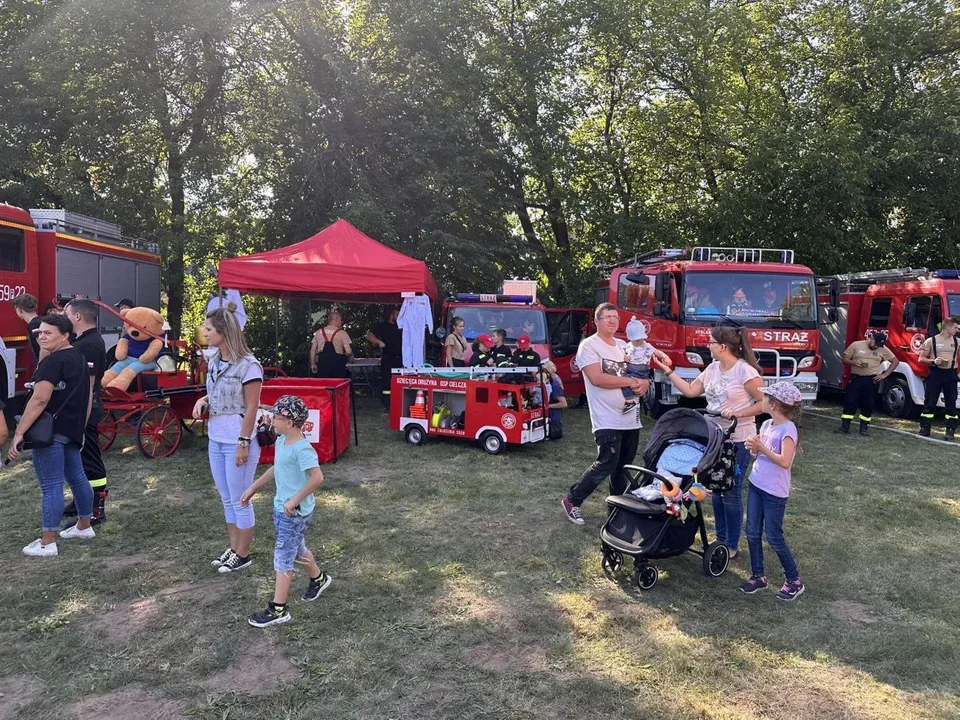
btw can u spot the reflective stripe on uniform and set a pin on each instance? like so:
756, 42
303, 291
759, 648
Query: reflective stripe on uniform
102, 482
864, 419
847, 417
927, 415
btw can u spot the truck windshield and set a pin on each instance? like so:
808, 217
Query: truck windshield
515, 320
749, 296
953, 300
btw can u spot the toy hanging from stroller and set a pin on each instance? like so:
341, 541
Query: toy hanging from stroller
685, 446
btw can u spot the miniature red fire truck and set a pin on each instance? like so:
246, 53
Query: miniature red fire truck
908, 303
554, 333
58, 253
475, 403
680, 294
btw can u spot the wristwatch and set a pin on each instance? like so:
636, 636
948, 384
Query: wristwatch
243, 441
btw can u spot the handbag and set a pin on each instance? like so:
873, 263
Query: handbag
266, 435
40, 434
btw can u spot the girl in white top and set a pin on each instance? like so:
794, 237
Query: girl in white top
732, 386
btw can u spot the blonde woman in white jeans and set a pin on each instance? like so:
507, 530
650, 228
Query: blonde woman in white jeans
233, 397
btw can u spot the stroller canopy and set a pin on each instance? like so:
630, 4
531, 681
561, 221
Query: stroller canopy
689, 425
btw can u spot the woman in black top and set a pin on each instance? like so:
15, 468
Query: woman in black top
61, 387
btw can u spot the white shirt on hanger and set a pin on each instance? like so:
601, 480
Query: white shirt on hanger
415, 315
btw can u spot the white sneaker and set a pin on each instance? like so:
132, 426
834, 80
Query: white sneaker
74, 532
38, 549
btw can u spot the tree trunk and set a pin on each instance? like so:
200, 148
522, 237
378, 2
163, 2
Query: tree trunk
178, 227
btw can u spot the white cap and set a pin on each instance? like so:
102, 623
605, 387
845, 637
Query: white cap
636, 330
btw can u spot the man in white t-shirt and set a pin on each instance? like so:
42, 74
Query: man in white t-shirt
603, 362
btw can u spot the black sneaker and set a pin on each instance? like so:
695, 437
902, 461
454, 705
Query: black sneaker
234, 563
224, 556
315, 588
270, 616
755, 584
791, 590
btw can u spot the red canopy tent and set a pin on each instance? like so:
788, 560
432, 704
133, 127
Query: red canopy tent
338, 263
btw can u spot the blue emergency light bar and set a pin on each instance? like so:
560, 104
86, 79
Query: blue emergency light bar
947, 274
484, 298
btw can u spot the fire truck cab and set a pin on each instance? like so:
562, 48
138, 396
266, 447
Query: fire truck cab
680, 294
475, 403
554, 333
57, 253
909, 304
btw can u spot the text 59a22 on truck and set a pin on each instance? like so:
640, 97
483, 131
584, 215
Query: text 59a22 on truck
58, 254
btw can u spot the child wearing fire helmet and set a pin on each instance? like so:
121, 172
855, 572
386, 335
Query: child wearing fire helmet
296, 471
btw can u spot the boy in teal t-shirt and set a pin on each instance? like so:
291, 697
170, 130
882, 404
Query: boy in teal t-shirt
296, 471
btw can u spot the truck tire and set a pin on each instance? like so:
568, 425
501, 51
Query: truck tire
491, 442
415, 434
655, 405
896, 398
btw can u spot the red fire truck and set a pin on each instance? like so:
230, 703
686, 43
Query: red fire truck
58, 253
679, 295
554, 333
475, 403
908, 303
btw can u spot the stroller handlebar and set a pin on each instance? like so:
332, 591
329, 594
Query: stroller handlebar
710, 413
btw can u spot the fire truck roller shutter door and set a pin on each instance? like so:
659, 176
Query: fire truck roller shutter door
118, 280
148, 285
78, 273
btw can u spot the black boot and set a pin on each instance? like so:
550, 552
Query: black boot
949, 434
99, 507
925, 428
844, 427
864, 428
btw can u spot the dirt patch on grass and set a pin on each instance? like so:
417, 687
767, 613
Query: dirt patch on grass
259, 670
508, 660
125, 562
182, 498
122, 622
132, 702
851, 612
17, 691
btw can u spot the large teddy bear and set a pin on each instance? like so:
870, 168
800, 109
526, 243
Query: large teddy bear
137, 351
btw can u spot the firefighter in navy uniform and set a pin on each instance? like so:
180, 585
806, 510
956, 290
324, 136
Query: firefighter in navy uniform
940, 353
864, 358
84, 314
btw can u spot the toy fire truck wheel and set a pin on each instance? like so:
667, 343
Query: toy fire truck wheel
492, 442
896, 399
415, 435
159, 432
715, 559
646, 577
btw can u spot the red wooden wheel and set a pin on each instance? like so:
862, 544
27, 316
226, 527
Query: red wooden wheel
159, 432
107, 428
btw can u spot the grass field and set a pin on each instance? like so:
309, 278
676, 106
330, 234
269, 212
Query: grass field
461, 591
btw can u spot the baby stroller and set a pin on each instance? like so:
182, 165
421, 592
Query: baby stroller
681, 441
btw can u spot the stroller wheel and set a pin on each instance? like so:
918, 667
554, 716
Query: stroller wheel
715, 559
612, 561
646, 577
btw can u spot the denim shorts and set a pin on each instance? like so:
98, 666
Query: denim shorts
291, 545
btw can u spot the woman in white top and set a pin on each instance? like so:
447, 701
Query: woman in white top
233, 399
732, 385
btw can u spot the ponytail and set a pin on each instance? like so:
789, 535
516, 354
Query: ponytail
746, 350
738, 340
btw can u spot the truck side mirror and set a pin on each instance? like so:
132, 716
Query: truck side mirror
440, 333
830, 316
663, 298
834, 294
